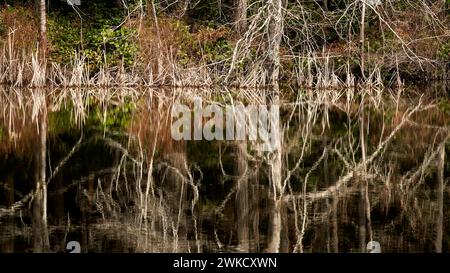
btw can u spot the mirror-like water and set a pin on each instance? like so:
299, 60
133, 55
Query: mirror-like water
101, 167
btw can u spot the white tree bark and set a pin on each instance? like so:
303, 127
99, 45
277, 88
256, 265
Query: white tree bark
242, 196
274, 240
41, 239
362, 38
440, 198
275, 34
42, 26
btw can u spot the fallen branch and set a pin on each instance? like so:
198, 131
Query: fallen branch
65, 159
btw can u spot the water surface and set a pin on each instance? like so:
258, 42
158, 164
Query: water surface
354, 166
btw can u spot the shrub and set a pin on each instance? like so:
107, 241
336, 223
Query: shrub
102, 43
24, 24
444, 51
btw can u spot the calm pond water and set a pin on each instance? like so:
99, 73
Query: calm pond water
354, 166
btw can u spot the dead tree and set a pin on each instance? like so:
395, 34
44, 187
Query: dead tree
40, 231
440, 198
362, 37
274, 36
42, 26
240, 17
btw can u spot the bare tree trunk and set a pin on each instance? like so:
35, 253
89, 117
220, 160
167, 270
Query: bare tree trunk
43, 27
284, 236
272, 66
275, 163
241, 17
242, 206
334, 240
362, 219
363, 182
275, 33
273, 245
368, 210
41, 240
440, 199
326, 181
334, 226
255, 197
179, 190
362, 38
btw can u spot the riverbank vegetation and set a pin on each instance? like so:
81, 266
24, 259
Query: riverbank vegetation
86, 148
202, 43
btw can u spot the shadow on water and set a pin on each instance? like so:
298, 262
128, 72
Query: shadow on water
101, 167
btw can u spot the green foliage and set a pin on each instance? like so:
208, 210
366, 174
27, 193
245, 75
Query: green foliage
64, 37
187, 47
116, 45
218, 51
209, 11
61, 121
119, 117
203, 34
116, 118
100, 41
444, 106
444, 52
207, 44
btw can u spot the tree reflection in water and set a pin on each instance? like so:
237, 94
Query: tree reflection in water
100, 167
